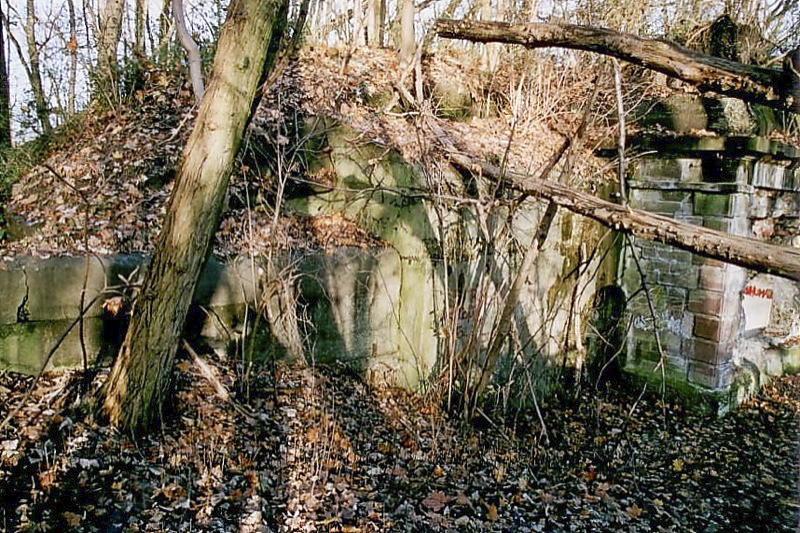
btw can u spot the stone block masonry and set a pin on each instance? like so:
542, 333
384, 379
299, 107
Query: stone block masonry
746, 186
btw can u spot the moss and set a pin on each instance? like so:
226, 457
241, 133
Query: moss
23, 345
676, 389
791, 360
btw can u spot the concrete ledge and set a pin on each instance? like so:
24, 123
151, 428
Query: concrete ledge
690, 186
732, 146
41, 299
677, 389
371, 307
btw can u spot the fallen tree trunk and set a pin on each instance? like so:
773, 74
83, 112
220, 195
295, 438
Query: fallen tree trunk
743, 251
752, 83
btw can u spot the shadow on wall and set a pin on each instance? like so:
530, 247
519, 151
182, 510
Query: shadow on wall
606, 335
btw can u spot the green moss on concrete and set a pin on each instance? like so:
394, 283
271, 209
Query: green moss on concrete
401, 280
23, 346
453, 100
676, 389
706, 204
791, 360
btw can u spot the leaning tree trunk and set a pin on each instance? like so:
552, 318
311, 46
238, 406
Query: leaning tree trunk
752, 83
743, 251
134, 395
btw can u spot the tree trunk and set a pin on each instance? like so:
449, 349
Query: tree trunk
5, 110
195, 62
72, 47
358, 39
134, 395
106, 73
408, 39
376, 15
34, 70
752, 83
140, 21
743, 251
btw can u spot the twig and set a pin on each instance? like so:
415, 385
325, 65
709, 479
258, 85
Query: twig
621, 141
219, 389
495, 426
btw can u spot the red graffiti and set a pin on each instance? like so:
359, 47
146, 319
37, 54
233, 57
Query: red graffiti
758, 292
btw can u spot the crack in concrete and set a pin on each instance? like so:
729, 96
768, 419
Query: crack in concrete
23, 314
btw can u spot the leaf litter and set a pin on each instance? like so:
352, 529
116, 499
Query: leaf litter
106, 183
319, 449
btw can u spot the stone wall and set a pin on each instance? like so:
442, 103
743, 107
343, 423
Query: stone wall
740, 185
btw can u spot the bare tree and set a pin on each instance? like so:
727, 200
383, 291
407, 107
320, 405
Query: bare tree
107, 70
376, 26
5, 110
72, 47
140, 23
408, 40
755, 84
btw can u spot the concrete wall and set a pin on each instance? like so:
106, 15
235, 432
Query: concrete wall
381, 309
41, 300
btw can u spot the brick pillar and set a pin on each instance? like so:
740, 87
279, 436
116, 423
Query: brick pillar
697, 300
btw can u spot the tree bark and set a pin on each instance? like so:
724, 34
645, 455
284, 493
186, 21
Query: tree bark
34, 71
192, 50
5, 109
134, 394
408, 39
376, 15
358, 38
139, 24
72, 47
106, 73
752, 83
743, 251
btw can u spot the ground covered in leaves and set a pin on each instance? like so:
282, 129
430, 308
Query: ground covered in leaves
104, 185
318, 449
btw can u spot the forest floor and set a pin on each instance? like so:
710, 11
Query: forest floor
318, 449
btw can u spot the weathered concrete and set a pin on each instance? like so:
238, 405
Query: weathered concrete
380, 309
715, 320
41, 299
547, 321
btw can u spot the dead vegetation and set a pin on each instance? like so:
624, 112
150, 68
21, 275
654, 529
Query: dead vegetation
123, 161
318, 449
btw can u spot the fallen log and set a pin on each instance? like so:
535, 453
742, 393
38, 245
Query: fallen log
743, 251
771, 87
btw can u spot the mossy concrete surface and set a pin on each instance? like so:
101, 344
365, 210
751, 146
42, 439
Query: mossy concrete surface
380, 309
673, 387
41, 300
376, 188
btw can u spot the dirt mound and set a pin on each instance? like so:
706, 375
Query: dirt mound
106, 191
